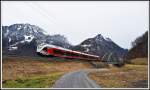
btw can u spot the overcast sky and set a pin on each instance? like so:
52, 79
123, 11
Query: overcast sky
121, 21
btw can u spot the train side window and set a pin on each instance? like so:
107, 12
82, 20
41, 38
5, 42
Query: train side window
85, 56
82, 56
58, 52
71, 54
67, 54
76, 55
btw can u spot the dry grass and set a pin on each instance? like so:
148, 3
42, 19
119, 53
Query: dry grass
140, 61
16, 69
98, 64
125, 77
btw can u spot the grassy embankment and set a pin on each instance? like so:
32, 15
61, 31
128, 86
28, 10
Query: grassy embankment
133, 75
27, 72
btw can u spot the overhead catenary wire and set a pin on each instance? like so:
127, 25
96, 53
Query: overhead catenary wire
41, 11
35, 10
44, 12
38, 9
47, 14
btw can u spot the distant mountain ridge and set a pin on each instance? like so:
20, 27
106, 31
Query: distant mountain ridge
22, 39
100, 46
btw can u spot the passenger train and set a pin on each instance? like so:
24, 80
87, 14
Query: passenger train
55, 51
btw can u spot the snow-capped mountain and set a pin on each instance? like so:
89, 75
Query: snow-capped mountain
21, 33
22, 39
23, 36
100, 46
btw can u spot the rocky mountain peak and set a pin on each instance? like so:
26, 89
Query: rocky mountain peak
100, 45
99, 36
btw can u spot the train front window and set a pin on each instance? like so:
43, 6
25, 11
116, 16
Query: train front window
45, 49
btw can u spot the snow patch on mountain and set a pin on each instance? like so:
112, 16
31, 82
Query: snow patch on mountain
12, 48
87, 49
7, 32
19, 28
9, 39
108, 39
28, 38
85, 45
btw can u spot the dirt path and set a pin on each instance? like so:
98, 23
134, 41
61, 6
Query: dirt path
77, 79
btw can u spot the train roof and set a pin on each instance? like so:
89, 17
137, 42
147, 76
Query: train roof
53, 46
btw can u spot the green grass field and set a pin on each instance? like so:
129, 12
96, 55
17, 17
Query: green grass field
45, 81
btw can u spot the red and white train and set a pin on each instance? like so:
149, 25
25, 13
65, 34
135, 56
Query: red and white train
52, 50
